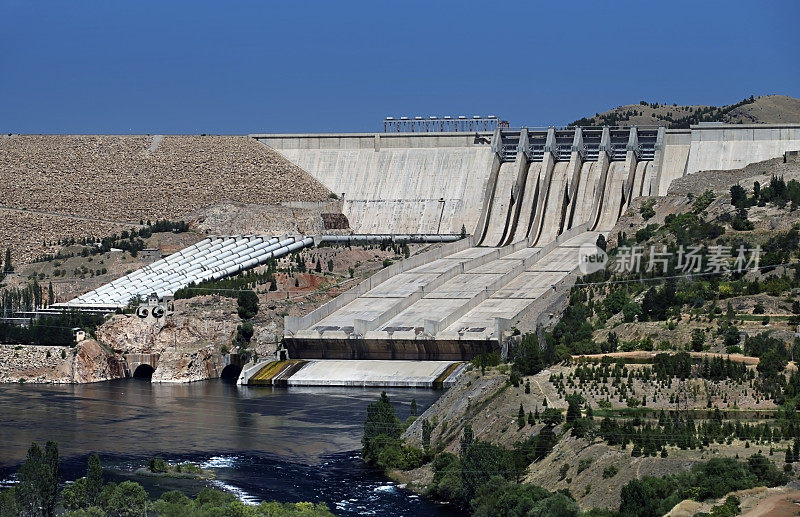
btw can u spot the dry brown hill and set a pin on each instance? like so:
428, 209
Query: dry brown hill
765, 109
61, 186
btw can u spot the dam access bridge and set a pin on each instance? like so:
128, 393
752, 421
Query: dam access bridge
529, 198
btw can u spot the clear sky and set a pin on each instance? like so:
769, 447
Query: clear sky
196, 66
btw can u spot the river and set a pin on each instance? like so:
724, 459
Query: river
286, 444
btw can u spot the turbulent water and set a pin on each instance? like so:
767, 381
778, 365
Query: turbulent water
288, 444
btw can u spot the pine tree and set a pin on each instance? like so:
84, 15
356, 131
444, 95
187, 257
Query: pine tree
330, 265
94, 480
414, 410
427, 429
531, 420
521, 417
39, 476
467, 439
318, 267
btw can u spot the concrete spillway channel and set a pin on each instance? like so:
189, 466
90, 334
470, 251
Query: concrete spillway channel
501, 206
449, 307
322, 372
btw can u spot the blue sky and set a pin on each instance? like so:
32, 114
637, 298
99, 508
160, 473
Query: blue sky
291, 66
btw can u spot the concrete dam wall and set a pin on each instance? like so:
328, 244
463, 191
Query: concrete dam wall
424, 184
529, 198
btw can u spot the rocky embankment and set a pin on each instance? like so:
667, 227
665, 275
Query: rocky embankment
88, 361
188, 347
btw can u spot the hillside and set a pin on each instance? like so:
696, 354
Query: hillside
64, 186
646, 374
765, 109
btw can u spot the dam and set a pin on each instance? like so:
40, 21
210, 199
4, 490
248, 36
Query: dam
526, 199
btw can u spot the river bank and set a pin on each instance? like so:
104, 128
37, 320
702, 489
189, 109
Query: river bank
285, 444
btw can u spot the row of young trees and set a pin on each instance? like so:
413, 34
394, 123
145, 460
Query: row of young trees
25, 299
778, 192
231, 286
51, 330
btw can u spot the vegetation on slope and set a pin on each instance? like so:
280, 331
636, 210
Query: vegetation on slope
38, 493
688, 393
762, 109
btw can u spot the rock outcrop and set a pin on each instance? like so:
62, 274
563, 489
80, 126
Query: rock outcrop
88, 361
189, 344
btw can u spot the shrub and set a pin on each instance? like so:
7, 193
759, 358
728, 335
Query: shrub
248, 304
646, 209
610, 471
156, 465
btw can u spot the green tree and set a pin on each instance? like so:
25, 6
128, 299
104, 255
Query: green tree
39, 476
128, 499
479, 462
646, 209
73, 497
8, 266
8, 503
248, 304
698, 338
551, 417
574, 401
738, 196
521, 417
94, 479
414, 410
330, 265
427, 430
528, 356
244, 333
467, 438
601, 242
381, 424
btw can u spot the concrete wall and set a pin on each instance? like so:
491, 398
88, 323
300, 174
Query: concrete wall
720, 147
374, 141
437, 182
733, 147
427, 183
